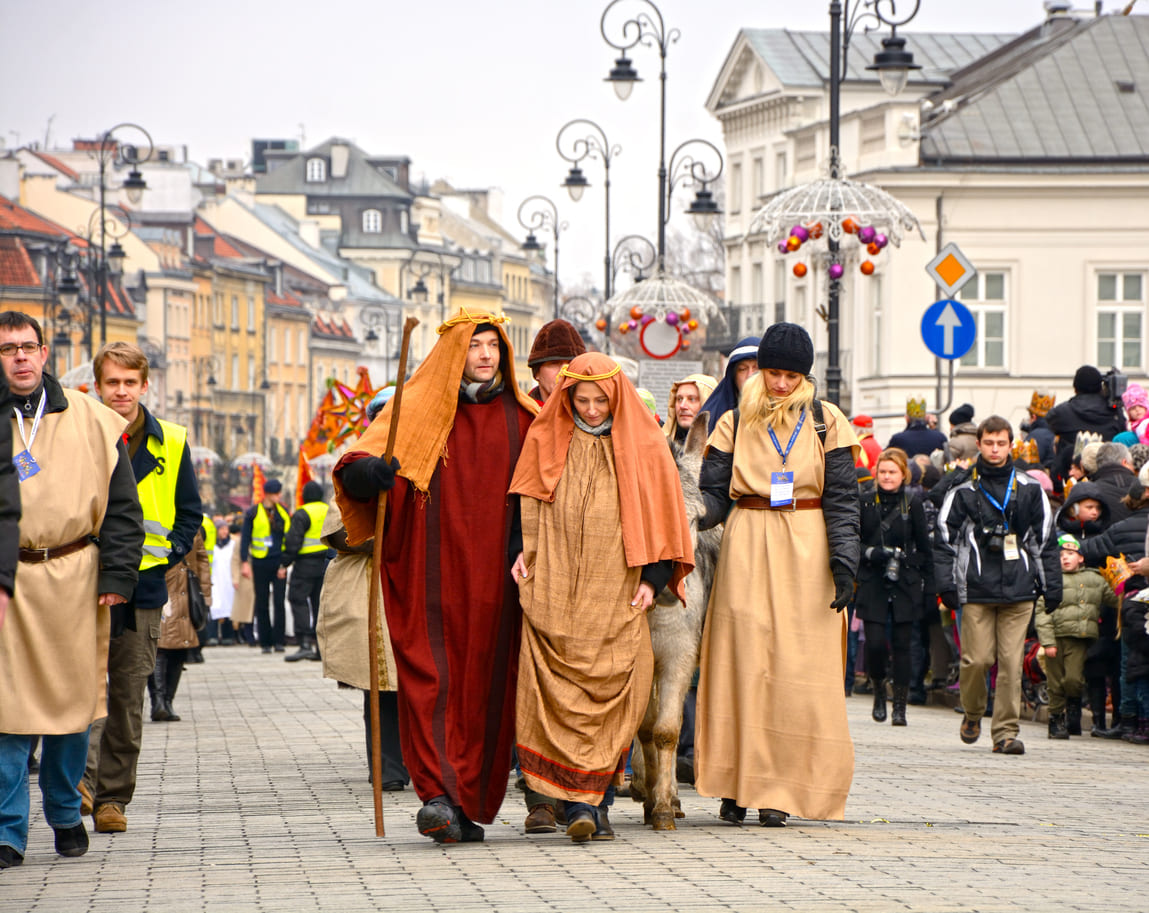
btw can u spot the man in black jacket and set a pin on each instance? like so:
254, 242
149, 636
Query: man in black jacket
1088, 410
996, 552
918, 437
1113, 476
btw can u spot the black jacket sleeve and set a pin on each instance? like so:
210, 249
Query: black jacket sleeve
245, 536
293, 541
714, 483
189, 510
658, 574
923, 549
841, 510
9, 500
122, 532
515, 540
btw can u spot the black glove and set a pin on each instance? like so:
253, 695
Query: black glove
365, 478
949, 599
1051, 605
878, 554
123, 617
843, 589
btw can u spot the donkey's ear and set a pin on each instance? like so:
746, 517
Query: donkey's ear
697, 435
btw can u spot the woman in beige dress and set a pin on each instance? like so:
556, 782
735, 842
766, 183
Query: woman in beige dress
771, 726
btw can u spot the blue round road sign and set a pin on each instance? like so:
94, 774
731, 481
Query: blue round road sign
948, 329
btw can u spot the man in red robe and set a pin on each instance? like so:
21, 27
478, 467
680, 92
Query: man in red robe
451, 530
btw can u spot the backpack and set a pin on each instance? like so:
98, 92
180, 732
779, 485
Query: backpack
819, 423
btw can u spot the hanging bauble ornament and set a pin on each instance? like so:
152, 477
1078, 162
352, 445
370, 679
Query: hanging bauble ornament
849, 226
800, 270
684, 328
647, 318
836, 270
866, 234
783, 247
633, 324
793, 242
881, 240
684, 313
686, 343
600, 325
635, 312
816, 230
624, 328
692, 324
800, 232
872, 249
867, 268
672, 318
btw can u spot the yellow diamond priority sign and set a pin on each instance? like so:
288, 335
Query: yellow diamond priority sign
950, 269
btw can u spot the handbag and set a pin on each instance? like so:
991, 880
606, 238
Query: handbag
198, 613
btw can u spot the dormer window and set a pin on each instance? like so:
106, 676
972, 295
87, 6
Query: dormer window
404, 224
372, 221
316, 171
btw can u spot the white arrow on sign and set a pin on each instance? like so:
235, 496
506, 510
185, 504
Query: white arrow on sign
948, 320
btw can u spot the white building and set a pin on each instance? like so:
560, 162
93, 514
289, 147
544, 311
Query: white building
1031, 152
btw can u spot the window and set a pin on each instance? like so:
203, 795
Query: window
875, 284
217, 309
302, 347
986, 297
756, 291
372, 221
286, 346
251, 313
316, 171
233, 380
404, 221
1120, 319
779, 170
271, 346
759, 179
235, 312
736, 187
735, 284
779, 291
805, 152
250, 372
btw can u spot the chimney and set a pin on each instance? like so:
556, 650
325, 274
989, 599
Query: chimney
1058, 9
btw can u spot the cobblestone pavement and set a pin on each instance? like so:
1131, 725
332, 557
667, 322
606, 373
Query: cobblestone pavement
259, 801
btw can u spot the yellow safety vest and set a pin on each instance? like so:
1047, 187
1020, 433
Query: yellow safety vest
157, 492
209, 538
312, 543
261, 539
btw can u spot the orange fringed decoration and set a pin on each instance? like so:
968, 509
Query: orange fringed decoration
257, 480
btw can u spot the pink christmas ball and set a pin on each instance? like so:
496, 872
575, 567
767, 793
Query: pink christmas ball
647, 318
782, 248
685, 328
633, 324
836, 270
881, 240
800, 232
672, 318
866, 234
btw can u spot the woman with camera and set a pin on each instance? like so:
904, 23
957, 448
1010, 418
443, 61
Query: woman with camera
895, 574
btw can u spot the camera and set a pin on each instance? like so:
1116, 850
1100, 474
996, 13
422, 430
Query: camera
894, 565
1114, 384
994, 537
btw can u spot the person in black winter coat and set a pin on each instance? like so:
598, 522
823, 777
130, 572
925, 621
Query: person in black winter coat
1113, 476
1085, 512
1088, 410
896, 569
9, 506
995, 553
918, 437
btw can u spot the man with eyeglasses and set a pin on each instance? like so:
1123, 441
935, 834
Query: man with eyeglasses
81, 536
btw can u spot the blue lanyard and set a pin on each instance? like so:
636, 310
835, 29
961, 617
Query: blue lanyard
1008, 494
793, 438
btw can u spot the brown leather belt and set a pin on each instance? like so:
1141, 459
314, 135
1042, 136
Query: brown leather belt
753, 502
39, 555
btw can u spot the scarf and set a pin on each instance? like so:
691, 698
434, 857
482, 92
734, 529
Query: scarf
602, 429
475, 392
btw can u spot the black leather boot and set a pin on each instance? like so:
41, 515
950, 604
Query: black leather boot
1073, 715
901, 695
174, 670
156, 689
1057, 728
879, 713
305, 651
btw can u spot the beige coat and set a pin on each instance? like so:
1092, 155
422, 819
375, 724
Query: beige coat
54, 641
243, 606
176, 631
342, 626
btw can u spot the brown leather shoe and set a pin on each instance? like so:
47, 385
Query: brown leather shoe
85, 800
110, 819
541, 819
970, 730
1009, 746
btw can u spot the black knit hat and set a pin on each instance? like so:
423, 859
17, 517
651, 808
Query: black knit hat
555, 341
1087, 380
962, 414
786, 347
312, 491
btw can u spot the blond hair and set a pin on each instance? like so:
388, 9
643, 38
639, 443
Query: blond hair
757, 406
123, 354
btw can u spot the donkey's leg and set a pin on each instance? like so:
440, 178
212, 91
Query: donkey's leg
672, 691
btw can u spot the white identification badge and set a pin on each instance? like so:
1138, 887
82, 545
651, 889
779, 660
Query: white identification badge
1010, 548
781, 489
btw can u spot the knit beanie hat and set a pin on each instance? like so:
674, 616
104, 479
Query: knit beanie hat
786, 347
962, 414
1135, 395
1087, 380
1068, 541
555, 341
272, 486
312, 491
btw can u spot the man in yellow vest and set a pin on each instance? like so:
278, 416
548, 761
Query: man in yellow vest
169, 496
305, 553
260, 550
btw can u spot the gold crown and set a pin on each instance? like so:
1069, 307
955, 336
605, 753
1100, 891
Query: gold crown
1040, 403
1084, 439
1026, 451
1116, 571
916, 407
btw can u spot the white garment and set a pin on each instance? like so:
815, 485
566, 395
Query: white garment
222, 589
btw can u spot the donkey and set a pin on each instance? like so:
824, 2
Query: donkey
675, 634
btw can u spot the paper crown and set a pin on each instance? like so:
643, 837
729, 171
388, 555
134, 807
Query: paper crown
916, 407
1116, 571
1026, 451
1040, 403
1084, 439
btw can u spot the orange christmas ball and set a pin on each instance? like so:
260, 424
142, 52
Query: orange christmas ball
635, 312
686, 343
799, 270
600, 325
693, 324
867, 267
873, 249
849, 226
793, 243
624, 328
685, 315
815, 230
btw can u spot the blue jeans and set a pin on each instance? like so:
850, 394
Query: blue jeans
1128, 706
62, 760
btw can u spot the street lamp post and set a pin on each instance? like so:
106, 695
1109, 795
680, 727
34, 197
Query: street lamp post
105, 152
595, 145
419, 292
541, 213
205, 368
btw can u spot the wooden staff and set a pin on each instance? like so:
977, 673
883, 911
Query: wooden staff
373, 593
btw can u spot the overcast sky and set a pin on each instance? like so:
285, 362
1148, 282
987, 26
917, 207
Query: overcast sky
471, 91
